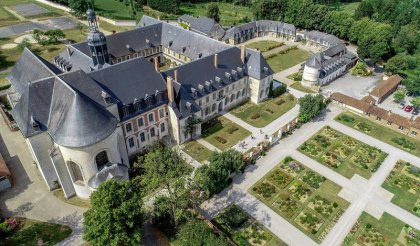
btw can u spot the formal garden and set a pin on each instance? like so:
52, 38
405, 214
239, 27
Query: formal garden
301, 196
260, 115
380, 132
223, 133
287, 58
404, 183
244, 230
388, 230
22, 231
342, 153
196, 150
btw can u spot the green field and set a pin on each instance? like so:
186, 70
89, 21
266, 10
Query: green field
404, 183
293, 57
114, 9
264, 45
298, 86
343, 153
260, 115
32, 232
223, 133
230, 14
303, 197
196, 151
380, 132
388, 230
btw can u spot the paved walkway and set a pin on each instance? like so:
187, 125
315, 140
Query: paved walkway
208, 145
29, 197
370, 198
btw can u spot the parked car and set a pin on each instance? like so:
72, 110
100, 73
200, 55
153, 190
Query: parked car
402, 105
415, 111
408, 108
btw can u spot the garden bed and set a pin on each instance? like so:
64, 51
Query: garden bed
342, 153
303, 197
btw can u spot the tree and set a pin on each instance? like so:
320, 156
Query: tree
412, 85
310, 107
213, 12
399, 96
376, 42
24, 44
396, 64
191, 125
48, 37
415, 102
358, 29
407, 39
164, 167
115, 217
79, 7
338, 23
167, 6
198, 233
214, 177
269, 9
365, 9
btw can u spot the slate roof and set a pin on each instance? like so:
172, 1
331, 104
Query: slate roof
315, 61
322, 37
261, 25
257, 66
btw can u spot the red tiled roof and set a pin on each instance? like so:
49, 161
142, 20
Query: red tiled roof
385, 86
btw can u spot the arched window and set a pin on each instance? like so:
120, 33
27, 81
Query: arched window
75, 170
101, 160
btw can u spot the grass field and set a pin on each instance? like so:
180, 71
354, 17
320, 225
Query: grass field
114, 9
32, 232
4, 83
230, 14
260, 115
196, 151
343, 153
223, 133
303, 197
76, 201
388, 230
264, 45
380, 132
281, 62
298, 86
245, 230
404, 183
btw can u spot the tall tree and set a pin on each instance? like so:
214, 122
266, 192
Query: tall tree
164, 167
213, 12
198, 233
407, 39
269, 9
376, 43
399, 96
365, 9
396, 64
338, 23
115, 217
79, 7
310, 107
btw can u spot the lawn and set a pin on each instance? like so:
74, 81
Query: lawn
293, 57
4, 83
48, 52
196, 151
388, 230
244, 230
342, 153
298, 86
303, 197
32, 232
380, 132
260, 115
223, 133
404, 183
264, 45
76, 201
230, 14
114, 9
109, 27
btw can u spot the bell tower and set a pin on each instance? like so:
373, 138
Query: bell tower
96, 41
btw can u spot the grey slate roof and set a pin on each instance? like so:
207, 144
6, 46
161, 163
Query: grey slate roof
147, 20
30, 67
75, 120
322, 37
315, 61
257, 66
129, 80
261, 25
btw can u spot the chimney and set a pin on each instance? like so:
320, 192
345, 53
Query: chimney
176, 75
170, 88
216, 60
158, 17
156, 61
243, 53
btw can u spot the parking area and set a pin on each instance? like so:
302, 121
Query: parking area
29, 9
356, 87
389, 104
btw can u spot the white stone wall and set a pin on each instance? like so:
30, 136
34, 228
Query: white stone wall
332, 76
259, 88
310, 76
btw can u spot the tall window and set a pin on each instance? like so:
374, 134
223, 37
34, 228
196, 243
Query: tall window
131, 142
128, 127
140, 121
75, 170
142, 137
152, 132
162, 127
101, 160
161, 113
151, 118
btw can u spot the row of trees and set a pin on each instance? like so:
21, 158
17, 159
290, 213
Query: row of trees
118, 212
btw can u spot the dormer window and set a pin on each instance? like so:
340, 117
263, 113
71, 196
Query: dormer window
170, 43
34, 123
200, 55
208, 85
183, 49
106, 97
188, 105
193, 91
201, 88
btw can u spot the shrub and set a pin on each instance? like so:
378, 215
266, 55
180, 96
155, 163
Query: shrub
269, 110
280, 102
232, 129
221, 140
277, 91
346, 118
288, 159
404, 143
255, 116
